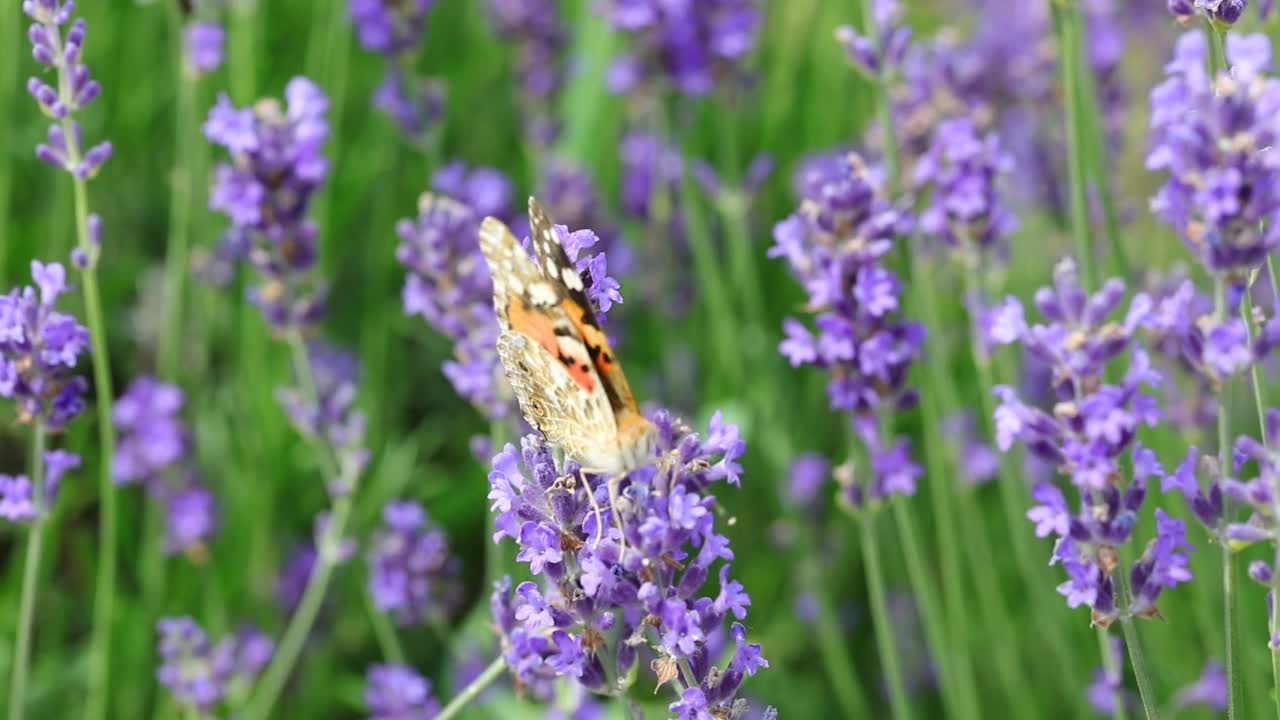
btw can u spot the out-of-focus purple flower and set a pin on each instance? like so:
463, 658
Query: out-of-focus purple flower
835, 244
397, 692
1211, 689
411, 572
961, 171
76, 88
694, 46
203, 46
1108, 687
415, 104
636, 570
650, 166
390, 27
266, 190
323, 407
977, 460
39, 350
1213, 137
535, 29
199, 674
808, 474
20, 501
151, 437
875, 56
292, 581
153, 448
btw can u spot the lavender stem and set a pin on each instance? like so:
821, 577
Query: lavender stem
1137, 661
472, 690
901, 709
842, 676
1067, 29
388, 641
1229, 576
30, 579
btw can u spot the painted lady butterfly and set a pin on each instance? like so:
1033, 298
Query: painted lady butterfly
566, 378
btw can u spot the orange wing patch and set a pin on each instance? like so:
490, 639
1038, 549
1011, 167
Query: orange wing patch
542, 329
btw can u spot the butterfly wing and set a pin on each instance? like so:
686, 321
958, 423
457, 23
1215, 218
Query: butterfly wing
544, 356
558, 270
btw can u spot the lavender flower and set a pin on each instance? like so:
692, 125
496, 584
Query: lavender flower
201, 675
1107, 686
883, 53
1212, 136
39, 350
535, 29
395, 29
154, 448
834, 244
1211, 689
629, 582
76, 88
977, 461
411, 571
693, 46
203, 46
18, 498
961, 170
396, 692
1223, 13
266, 193
322, 407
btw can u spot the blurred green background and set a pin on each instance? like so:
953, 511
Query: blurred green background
807, 99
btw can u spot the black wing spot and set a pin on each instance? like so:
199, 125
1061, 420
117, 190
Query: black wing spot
562, 331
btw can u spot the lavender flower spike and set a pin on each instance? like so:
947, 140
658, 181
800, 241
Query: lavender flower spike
411, 571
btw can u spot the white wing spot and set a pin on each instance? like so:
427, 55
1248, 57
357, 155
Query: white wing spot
572, 279
551, 267
541, 294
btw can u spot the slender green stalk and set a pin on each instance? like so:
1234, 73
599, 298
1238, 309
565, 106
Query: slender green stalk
8, 81
841, 674
1070, 65
30, 579
884, 111
104, 592
328, 554
388, 640
957, 696
1098, 167
1229, 574
1140, 672
1217, 59
1111, 665
473, 690
880, 617
494, 554
242, 57
711, 282
186, 136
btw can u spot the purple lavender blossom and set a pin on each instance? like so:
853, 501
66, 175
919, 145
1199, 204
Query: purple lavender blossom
535, 29
693, 46
39, 350
961, 171
154, 448
835, 244
277, 166
397, 692
389, 27
18, 498
977, 460
411, 572
415, 104
76, 88
199, 674
323, 408
1223, 13
1210, 690
203, 46
1107, 686
1213, 135
886, 52
634, 573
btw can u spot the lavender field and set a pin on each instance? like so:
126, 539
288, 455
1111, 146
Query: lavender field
950, 329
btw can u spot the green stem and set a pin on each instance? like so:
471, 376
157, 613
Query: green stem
1217, 59
711, 282
1229, 575
30, 578
388, 640
472, 690
186, 135
1111, 665
1068, 30
494, 553
956, 696
884, 110
1140, 672
328, 554
273, 680
841, 674
242, 57
1098, 169
880, 617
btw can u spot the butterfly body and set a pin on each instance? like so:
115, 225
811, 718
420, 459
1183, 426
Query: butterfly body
566, 377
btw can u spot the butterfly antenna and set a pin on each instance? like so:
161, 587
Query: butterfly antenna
614, 483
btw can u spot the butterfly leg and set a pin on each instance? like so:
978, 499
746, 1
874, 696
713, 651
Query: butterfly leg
595, 507
614, 483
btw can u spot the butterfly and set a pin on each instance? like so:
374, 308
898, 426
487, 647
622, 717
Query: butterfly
566, 377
